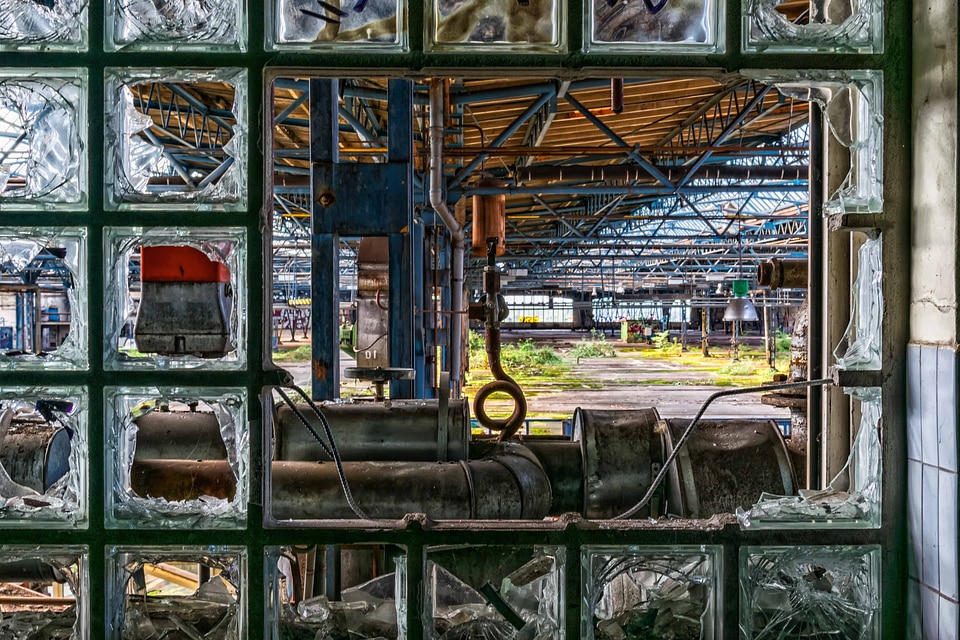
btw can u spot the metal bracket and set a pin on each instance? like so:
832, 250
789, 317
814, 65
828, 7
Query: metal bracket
853, 378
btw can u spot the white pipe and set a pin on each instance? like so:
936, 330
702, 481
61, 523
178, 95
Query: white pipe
439, 204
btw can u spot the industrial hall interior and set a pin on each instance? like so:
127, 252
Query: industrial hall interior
479, 319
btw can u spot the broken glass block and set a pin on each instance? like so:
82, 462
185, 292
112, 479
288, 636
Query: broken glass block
508, 592
44, 25
851, 103
43, 116
810, 592
374, 608
167, 25
503, 25
819, 25
176, 592
193, 317
177, 458
43, 457
860, 346
43, 277
662, 26
46, 590
332, 24
650, 592
176, 139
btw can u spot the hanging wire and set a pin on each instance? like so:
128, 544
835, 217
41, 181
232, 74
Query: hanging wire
330, 449
682, 440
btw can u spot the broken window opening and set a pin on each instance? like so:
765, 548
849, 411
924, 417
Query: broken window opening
845, 26
45, 591
190, 591
182, 308
168, 148
43, 298
179, 458
860, 348
42, 139
43, 457
336, 590
494, 592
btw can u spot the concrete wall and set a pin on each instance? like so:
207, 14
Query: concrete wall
932, 355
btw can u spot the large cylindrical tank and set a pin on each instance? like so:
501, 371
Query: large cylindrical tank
35, 454
179, 435
726, 464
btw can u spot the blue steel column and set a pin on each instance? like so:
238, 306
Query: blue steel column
402, 266
325, 258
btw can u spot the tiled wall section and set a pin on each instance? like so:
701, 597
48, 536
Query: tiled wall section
932, 492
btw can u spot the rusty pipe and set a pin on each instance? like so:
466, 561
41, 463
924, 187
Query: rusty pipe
176, 480
777, 273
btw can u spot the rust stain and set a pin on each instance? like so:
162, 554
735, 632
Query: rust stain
319, 369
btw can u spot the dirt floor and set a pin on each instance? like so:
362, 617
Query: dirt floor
624, 382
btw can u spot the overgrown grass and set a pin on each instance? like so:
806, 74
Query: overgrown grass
524, 358
663, 343
596, 346
303, 353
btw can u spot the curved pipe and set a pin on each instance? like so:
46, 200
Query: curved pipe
439, 203
504, 383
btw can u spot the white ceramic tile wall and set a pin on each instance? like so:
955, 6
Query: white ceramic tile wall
932, 493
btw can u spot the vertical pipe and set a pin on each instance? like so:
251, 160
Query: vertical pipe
704, 332
814, 291
766, 330
439, 203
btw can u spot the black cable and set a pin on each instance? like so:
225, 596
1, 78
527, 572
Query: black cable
682, 440
331, 451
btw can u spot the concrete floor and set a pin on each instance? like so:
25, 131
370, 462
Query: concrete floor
676, 394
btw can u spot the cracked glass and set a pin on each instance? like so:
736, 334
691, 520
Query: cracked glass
843, 26
661, 26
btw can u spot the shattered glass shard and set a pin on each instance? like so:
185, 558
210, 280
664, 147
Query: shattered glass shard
837, 25
48, 24
859, 349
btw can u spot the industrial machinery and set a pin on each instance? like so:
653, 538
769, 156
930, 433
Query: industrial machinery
185, 303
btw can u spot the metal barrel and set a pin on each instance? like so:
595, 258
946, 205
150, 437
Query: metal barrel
183, 479
563, 464
620, 452
179, 435
405, 430
504, 487
726, 464
35, 454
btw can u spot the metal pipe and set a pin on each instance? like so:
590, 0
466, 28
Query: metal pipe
439, 203
176, 480
37, 600
778, 273
590, 173
35, 570
179, 435
508, 486
401, 430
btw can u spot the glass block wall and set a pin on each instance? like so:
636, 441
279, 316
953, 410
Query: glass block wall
86, 181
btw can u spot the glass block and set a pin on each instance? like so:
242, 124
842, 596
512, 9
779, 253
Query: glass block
177, 457
376, 25
176, 591
162, 25
651, 592
176, 139
519, 26
852, 106
335, 591
850, 500
146, 315
494, 591
860, 346
845, 26
57, 604
810, 592
43, 157
44, 457
43, 298
52, 25
656, 26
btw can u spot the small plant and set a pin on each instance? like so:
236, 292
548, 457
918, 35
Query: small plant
739, 368
594, 347
782, 341
662, 341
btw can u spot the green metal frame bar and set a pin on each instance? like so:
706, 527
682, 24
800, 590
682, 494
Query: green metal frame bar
896, 66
